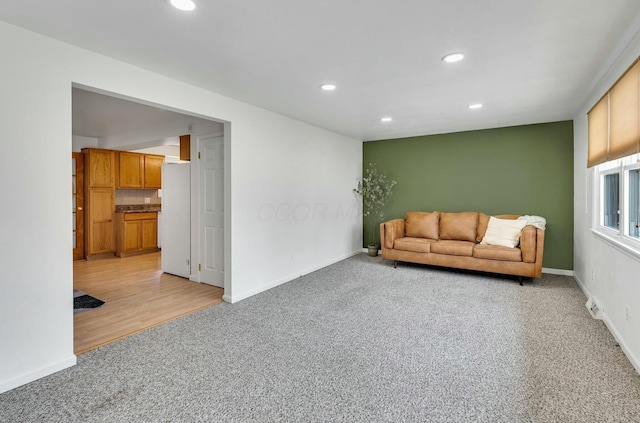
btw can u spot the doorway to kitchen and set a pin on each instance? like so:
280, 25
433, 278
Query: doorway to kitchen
137, 293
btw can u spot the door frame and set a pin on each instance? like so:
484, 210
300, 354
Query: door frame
79, 251
197, 255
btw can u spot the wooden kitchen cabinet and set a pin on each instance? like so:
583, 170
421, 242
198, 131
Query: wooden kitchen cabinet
99, 197
131, 170
139, 170
150, 233
136, 233
104, 171
185, 147
153, 171
101, 239
100, 203
99, 167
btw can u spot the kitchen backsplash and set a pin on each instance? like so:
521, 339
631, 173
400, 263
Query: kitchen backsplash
137, 196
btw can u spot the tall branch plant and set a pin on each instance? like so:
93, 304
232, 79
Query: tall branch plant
375, 189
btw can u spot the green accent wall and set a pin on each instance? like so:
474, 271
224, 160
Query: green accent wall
516, 170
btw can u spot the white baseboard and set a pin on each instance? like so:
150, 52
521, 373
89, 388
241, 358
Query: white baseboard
581, 285
7, 385
625, 348
562, 272
635, 362
235, 298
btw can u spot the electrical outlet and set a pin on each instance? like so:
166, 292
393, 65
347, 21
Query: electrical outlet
628, 309
147, 200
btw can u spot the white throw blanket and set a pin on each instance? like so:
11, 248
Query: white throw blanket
537, 221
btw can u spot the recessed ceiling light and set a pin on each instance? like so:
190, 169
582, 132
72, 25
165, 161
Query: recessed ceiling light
453, 57
328, 87
386, 119
186, 5
475, 106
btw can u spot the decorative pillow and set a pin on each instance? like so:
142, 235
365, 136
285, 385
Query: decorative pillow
459, 226
422, 224
503, 232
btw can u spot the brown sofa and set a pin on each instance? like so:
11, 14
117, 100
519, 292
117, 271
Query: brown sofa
453, 240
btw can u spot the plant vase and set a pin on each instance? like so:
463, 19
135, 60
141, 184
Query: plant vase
373, 250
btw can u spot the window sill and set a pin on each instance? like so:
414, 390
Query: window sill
629, 250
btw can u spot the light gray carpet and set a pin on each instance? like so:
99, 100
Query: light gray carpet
358, 341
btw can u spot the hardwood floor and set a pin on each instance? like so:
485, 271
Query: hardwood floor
137, 295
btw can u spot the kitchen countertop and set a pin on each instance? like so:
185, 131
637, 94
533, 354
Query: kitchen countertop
138, 208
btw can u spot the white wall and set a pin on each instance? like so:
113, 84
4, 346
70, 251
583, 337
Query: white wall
603, 271
294, 206
79, 142
273, 161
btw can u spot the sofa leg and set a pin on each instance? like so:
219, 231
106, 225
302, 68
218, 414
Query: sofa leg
520, 280
395, 264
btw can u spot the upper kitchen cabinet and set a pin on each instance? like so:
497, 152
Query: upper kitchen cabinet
153, 171
99, 168
185, 147
131, 174
139, 170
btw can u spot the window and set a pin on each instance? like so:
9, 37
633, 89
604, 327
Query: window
614, 153
618, 201
611, 201
634, 203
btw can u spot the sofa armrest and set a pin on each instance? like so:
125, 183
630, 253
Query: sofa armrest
390, 231
528, 241
539, 253
532, 247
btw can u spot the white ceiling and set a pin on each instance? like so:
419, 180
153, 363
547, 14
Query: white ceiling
100, 116
527, 61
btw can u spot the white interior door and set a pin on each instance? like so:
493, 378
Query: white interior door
176, 219
211, 153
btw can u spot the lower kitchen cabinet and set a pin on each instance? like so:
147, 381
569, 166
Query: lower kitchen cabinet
136, 233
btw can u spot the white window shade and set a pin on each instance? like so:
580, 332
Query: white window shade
599, 132
624, 117
614, 122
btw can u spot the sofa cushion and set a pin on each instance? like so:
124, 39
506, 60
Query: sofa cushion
453, 248
417, 245
503, 232
422, 224
497, 252
483, 222
459, 226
